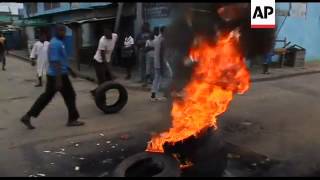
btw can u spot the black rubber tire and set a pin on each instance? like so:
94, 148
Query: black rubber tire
116, 107
171, 165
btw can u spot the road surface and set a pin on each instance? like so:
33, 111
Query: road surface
278, 118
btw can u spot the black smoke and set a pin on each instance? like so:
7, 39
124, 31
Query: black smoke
202, 19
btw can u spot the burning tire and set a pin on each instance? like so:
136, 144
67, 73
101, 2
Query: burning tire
207, 152
100, 99
148, 165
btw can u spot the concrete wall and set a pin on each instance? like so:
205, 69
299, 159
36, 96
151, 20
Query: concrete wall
68, 41
88, 36
304, 31
160, 21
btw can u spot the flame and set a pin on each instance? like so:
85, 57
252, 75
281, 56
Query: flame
187, 165
220, 72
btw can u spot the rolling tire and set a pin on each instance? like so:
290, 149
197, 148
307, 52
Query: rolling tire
116, 107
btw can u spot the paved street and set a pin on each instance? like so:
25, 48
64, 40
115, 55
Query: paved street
17, 95
279, 119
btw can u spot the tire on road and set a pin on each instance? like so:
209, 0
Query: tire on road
169, 167
118, 105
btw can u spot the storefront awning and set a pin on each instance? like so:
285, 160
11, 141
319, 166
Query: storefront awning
9, 28
88, 20
35, 22
5, 19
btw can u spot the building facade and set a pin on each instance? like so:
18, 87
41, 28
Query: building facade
86, 21
81, 19
158, 14
12, 32
300, 25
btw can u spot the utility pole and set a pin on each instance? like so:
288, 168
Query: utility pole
118, 18
139, 17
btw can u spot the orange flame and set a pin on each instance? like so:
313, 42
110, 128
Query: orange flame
219, 73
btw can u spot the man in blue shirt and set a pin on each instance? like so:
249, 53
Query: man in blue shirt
57, 80
267, 61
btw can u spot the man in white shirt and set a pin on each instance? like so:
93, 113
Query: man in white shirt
40, 53
102, 58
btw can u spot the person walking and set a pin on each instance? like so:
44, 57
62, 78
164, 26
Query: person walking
57, 80
159, 66
128, 54
40, 53
3, 49
102, 58
267, 61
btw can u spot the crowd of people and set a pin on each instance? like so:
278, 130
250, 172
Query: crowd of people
150, 53
51, 60
147, 51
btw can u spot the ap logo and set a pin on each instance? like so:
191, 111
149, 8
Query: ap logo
263, 14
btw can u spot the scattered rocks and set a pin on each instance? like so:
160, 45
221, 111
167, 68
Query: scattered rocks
60, 152
41, 174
